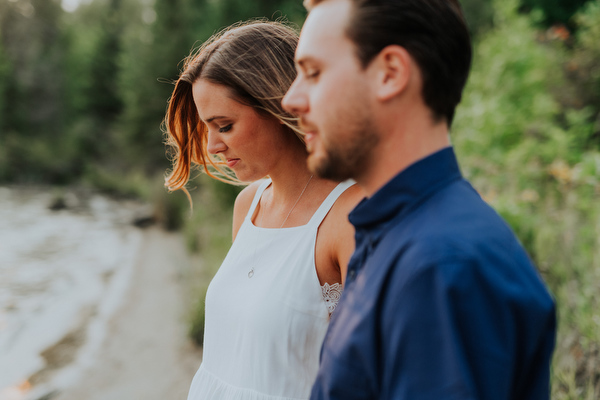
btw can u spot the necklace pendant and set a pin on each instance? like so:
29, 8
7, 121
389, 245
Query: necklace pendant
251, 273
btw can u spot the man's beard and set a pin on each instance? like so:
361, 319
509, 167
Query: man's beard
347, 156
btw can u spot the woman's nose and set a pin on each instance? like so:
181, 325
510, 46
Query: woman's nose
215, 144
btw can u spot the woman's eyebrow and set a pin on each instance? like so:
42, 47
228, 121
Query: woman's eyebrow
214, 118
301, 62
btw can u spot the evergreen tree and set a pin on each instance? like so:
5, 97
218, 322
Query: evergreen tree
33, 105
147, 79
6, 74
227, 12
103, 97
100, 94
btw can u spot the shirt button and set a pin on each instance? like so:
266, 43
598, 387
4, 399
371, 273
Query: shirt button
352, 273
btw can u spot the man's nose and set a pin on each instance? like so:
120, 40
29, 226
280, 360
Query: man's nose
295, 100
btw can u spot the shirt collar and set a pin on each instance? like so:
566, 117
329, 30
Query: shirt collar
408, 188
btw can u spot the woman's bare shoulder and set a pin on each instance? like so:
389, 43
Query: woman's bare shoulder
336, 234
245, 197
243, 201
347, 201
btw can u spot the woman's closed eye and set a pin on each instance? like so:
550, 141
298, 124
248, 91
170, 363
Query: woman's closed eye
225, 128
312, 73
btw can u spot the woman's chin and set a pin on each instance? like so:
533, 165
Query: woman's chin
246, 177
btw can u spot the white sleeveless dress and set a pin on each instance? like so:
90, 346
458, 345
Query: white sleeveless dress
264, 330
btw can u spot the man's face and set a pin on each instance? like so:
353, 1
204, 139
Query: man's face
331, 95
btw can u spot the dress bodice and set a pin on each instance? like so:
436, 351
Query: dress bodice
264, 330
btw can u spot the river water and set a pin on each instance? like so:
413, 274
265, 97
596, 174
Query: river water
60, 271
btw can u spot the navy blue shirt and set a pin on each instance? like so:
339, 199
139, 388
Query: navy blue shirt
441, 301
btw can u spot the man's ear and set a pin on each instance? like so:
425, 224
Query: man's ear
392, 71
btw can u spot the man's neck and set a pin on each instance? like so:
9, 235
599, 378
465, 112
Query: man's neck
402, 146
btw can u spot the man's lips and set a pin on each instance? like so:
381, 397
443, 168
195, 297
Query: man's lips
307, 127
309, 141
310, 133
308, 136
231, 162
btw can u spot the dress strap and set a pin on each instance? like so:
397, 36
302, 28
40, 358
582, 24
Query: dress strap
257, 196
324, 208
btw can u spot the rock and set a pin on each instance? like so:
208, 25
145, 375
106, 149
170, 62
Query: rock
144, 221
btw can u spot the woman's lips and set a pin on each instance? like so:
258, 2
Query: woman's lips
231, 162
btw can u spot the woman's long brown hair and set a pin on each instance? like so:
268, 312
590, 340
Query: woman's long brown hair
255, 60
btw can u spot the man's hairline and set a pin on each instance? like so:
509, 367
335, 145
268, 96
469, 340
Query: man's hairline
310, 4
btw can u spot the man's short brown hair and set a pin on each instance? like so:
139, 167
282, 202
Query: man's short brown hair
435, 34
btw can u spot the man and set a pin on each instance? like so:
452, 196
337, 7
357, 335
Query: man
441, 301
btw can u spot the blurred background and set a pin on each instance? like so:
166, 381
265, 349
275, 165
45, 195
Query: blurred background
92, 246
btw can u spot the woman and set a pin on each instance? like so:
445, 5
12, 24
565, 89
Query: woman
268, 306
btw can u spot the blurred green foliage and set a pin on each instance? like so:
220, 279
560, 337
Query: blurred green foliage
528, 143
583, 69
479, 15
554, 11
83, 94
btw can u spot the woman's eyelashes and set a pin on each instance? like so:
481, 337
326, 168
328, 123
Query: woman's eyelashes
312, 74
225, 128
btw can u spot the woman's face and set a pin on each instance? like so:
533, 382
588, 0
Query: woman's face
251, 144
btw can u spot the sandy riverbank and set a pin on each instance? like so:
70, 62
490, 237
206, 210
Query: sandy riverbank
91, 307
145, 353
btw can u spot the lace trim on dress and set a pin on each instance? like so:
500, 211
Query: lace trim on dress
331, 295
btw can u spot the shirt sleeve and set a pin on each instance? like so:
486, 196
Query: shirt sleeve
458, 330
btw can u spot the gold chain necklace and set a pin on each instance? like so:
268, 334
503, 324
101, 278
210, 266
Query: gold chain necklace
251, 272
